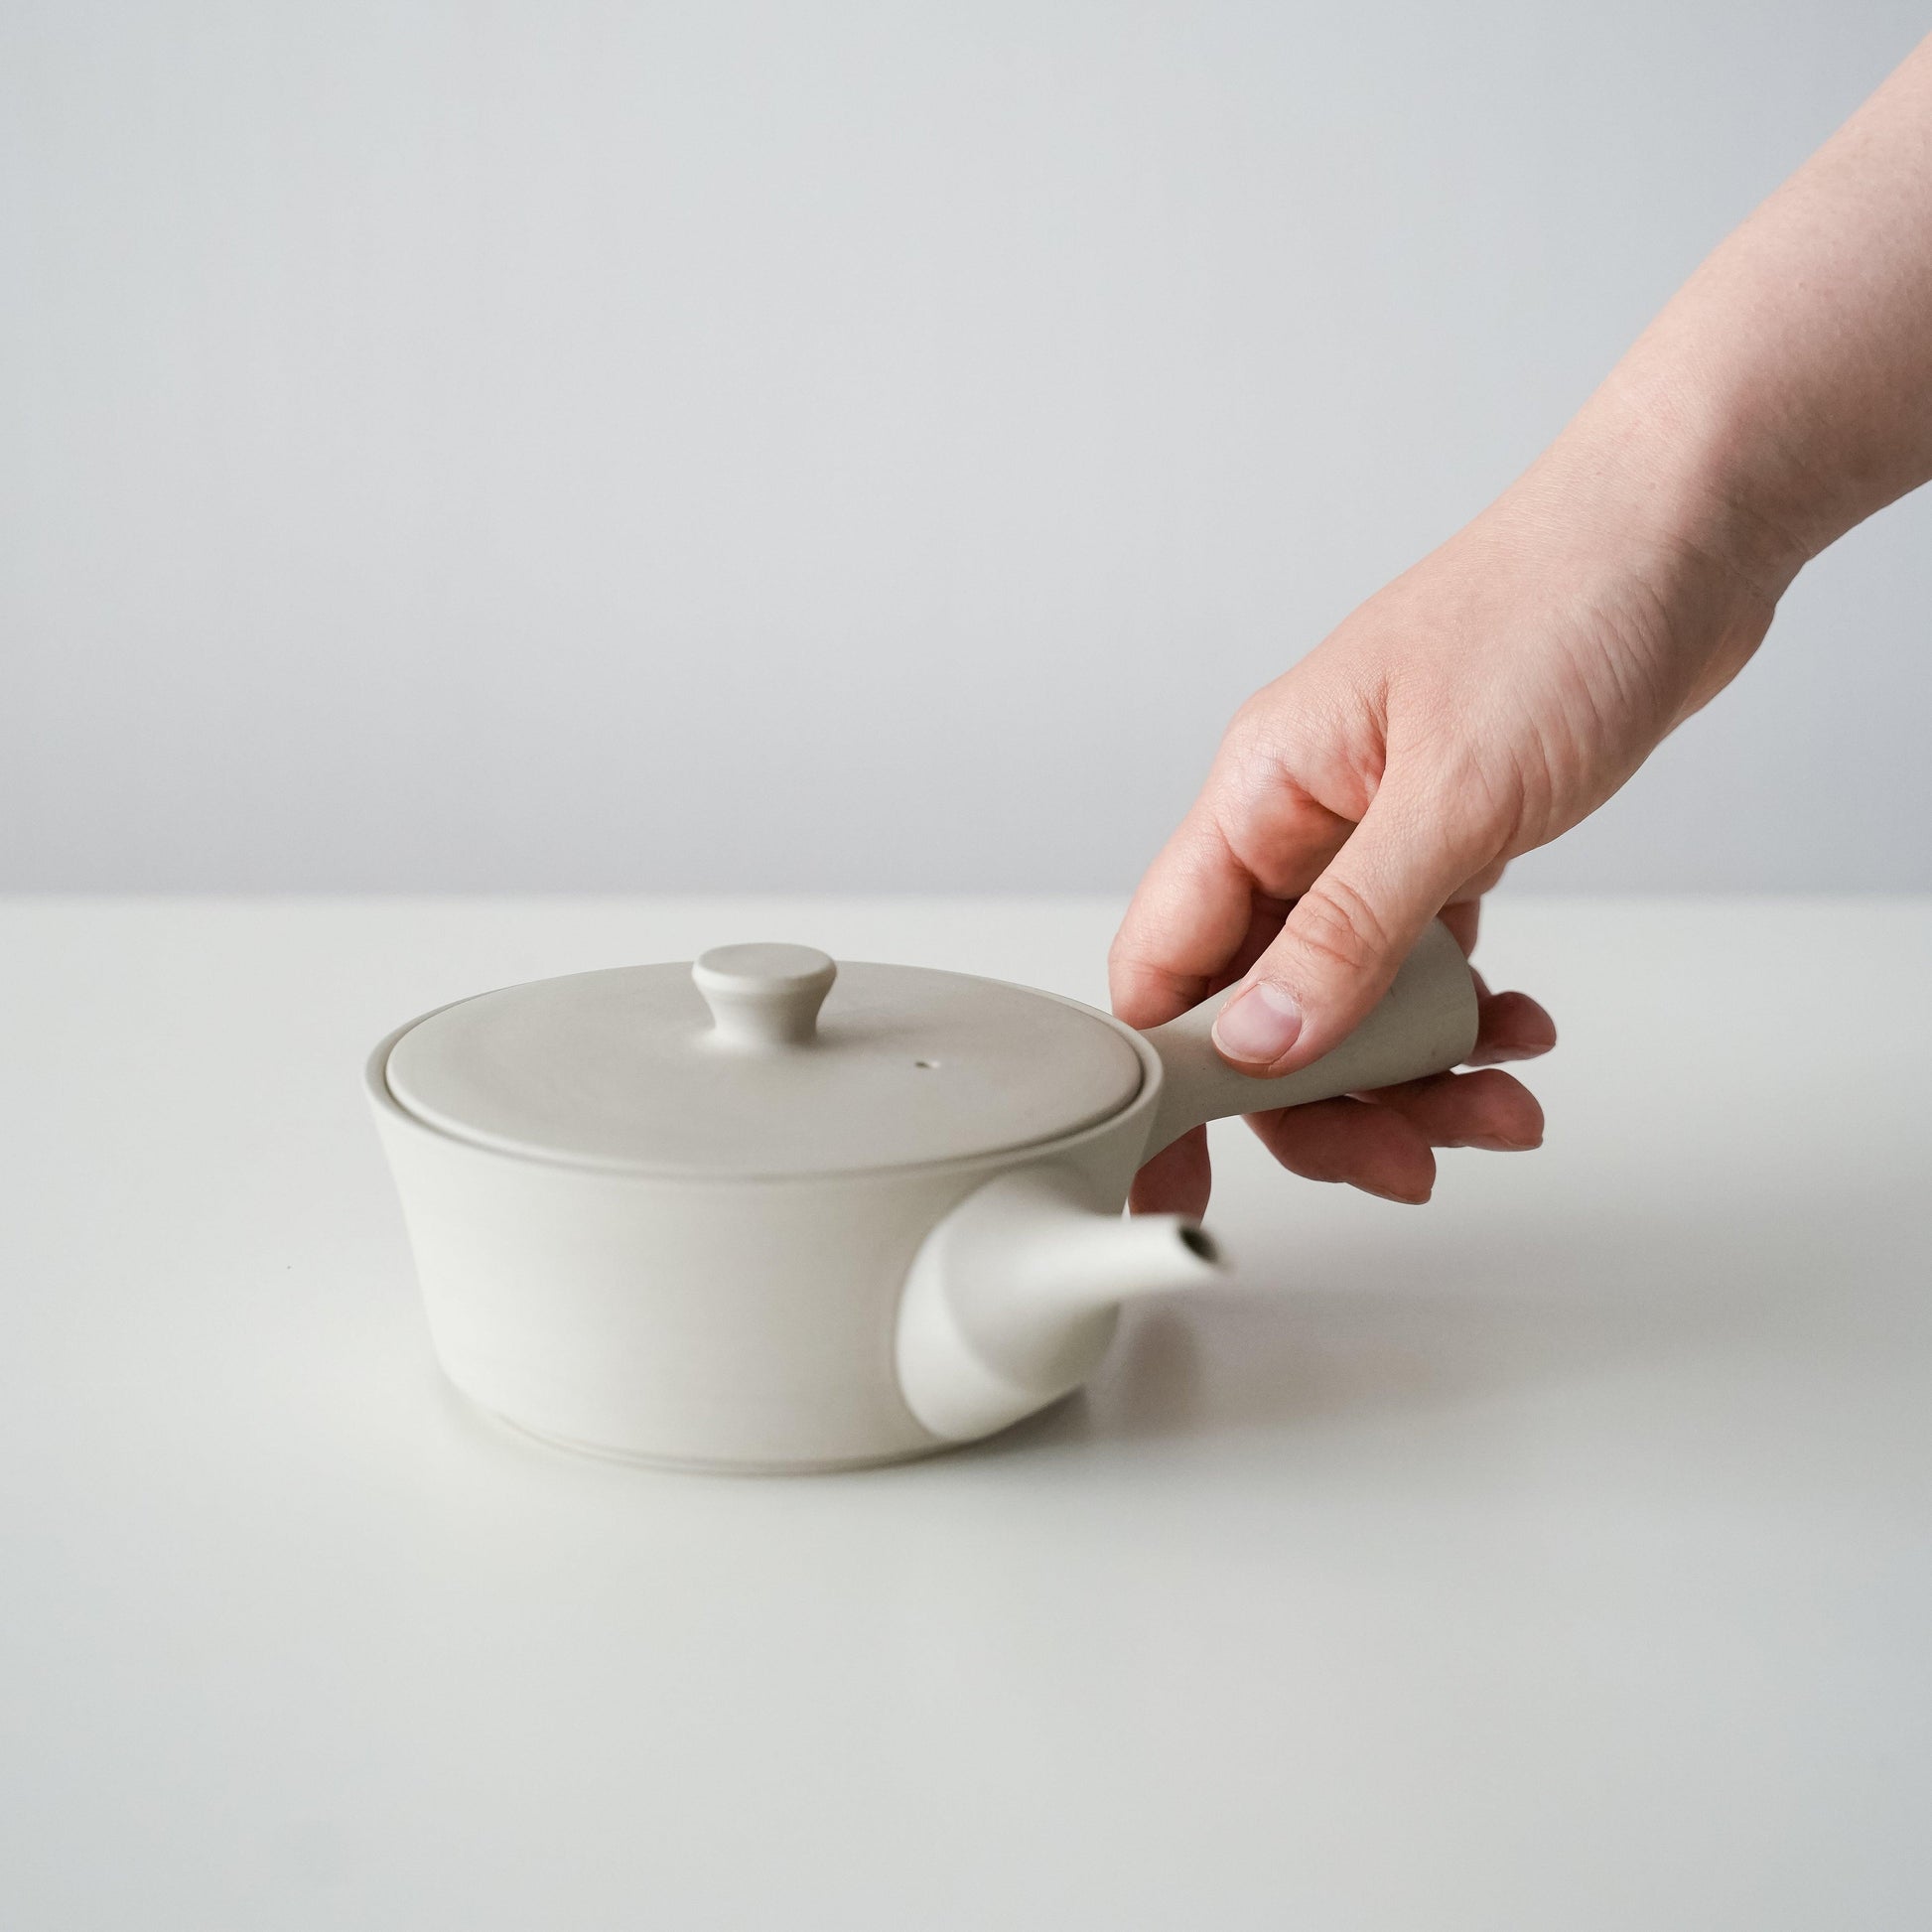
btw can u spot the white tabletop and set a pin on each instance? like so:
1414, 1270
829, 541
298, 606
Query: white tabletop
1557, 1555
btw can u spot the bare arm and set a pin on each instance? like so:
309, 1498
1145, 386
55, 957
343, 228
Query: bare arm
1794, 368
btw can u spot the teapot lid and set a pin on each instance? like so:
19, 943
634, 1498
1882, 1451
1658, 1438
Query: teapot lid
763, 1060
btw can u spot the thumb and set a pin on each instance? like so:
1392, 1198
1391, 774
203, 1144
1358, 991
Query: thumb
1346, 935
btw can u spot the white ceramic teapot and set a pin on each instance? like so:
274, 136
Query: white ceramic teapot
765, 1212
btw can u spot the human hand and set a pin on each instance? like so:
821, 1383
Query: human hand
1507, 685
1477, 707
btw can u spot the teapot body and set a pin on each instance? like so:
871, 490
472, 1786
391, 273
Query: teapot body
719, 1323
815, 1257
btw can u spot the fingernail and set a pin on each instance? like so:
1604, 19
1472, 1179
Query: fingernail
1498, 1051
1259, 1025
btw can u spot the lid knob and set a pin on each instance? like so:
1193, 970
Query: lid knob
761, 997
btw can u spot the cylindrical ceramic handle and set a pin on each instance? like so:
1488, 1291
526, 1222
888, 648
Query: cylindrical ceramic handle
764, 996
1426, 1023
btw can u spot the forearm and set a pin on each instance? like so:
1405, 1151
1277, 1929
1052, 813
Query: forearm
1785, 393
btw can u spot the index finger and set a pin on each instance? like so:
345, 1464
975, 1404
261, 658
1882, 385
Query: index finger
1185, 921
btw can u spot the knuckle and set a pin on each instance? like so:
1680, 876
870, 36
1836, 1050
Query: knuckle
1338, 926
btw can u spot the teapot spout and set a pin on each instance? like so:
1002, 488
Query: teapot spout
1015, 1295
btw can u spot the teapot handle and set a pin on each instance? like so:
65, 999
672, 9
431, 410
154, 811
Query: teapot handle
1424, 1024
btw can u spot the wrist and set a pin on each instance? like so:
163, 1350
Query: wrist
1691, 474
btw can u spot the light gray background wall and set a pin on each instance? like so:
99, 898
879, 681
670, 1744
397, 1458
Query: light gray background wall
858, 446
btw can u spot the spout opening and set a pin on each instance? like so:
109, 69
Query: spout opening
1199, 1242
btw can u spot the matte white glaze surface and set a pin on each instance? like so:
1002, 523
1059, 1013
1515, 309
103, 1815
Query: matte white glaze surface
722, 1323
749, 1312
626, 1069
